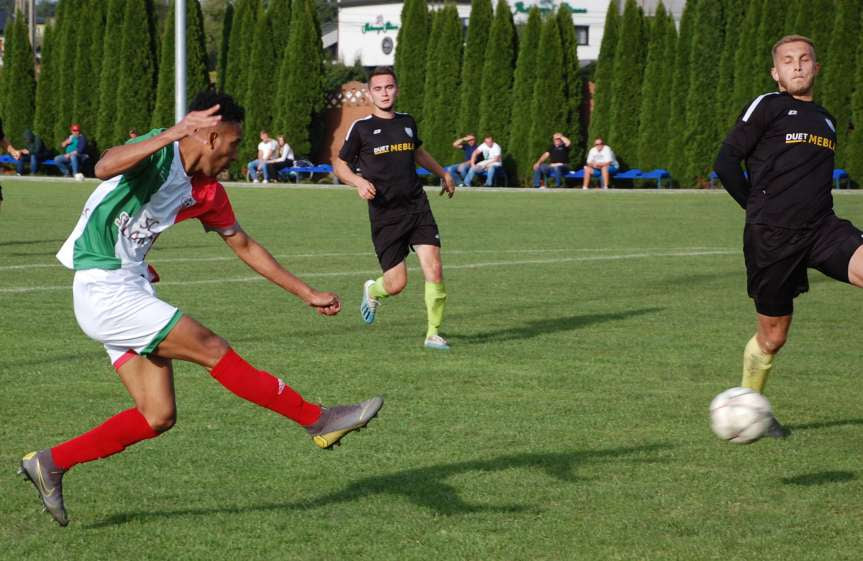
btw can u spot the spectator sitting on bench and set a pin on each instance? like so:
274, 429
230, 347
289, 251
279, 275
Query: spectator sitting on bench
33, 151
601, 157
468, 144
284, 155
491, 161
266, 148
74, 152
558, 156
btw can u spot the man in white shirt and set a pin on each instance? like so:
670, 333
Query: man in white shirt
601, 158
491, 161
266, 148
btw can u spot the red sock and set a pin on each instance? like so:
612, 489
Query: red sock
112, 436
263, 388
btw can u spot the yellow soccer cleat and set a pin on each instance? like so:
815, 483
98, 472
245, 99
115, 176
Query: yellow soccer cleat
337, 421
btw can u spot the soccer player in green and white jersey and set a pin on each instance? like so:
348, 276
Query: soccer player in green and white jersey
150, 184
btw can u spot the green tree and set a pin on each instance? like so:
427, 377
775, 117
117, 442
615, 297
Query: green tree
522, 94
836, 88
110, 72
703, 134
239, 47
650, 127
43, 120
663, 111
548, 107
770, 29
19, 73
88, 62
680, 91
733, 13
259, 105
747, 80
815, 20
854, 152
478, 28
64, 97
628, 70
301, 94
495, 101
439, 128
280, 23
224, 45
603, 96
136, 83
571, 75
197, 73
411, 46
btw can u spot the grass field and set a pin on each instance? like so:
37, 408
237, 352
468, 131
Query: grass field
569, 421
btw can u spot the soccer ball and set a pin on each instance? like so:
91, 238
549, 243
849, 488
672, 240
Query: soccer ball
740, 415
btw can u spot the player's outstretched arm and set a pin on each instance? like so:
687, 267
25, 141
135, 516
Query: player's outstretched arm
343, 171
426, 160
121, 159
262, 262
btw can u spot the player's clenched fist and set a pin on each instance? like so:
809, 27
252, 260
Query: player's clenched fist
366, 190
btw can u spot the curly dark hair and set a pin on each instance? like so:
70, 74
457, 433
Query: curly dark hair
229, 109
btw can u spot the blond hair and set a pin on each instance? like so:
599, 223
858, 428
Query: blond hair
794, 39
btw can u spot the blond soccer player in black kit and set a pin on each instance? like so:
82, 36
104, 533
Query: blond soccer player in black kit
787, 142
379, 158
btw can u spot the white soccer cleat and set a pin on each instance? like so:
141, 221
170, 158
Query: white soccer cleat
369, 305
79, 176
436, 342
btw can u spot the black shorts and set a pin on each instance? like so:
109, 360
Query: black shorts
395, 238
777, 259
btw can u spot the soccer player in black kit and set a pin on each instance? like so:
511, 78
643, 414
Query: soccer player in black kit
788, 143
379, 158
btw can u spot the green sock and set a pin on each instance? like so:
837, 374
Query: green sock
435, 301
756, 366
377, 290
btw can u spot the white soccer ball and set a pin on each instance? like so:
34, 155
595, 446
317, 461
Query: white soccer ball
740, 415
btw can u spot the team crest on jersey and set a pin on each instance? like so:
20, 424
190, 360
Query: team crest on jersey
792, 112
187, 202
376, 131
409, 132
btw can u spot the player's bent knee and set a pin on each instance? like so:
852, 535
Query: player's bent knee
161, 421
774, 340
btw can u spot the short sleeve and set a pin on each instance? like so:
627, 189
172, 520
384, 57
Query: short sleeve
212, 206
350, 150
750, 127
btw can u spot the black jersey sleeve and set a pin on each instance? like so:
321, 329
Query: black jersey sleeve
350, 150
731, 175
417, 140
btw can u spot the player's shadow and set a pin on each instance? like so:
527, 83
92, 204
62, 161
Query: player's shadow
428, 487
534, 328
826, 424
820, 478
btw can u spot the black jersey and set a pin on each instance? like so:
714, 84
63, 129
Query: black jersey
788, 146
382, 151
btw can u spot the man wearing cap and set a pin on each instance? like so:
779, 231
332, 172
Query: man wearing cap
74, 150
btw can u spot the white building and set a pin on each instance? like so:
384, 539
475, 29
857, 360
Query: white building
367, 29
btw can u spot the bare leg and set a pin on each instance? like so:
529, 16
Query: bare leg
430, 261
396, 279
855, 268
606, 180
588, 171
150, 382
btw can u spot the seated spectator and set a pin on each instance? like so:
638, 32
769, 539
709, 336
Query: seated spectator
284, 155
133, 133
601, 157
266, 149
491, 161
74, 152
558, 157
33, 151
457, 171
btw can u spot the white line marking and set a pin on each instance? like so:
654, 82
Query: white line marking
702, 253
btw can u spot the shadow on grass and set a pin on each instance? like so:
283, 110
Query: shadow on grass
538, 327
820, 478
29, 242
428, 487
826, 424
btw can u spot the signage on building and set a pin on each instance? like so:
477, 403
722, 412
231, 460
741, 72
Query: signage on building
379, 26
545, 7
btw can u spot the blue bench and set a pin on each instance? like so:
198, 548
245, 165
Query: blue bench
8, 159
296, 172
631, 174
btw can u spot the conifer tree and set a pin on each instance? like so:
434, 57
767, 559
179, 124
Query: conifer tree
280, 24
110, 72
522, 94
495, 101
703, 134
603, 96
136, 84
259, 95
815, 20
5, 81
571, 75
237, 57
88, 63
478, 28
733, 12
439, 128
663, 111
249, 25
224, 45
747, 82
64, 96
411, 55
628, 69
836, 85
431, 89
43, 120
548, 107
770, 29
680, 91
197, 74
650, 127
301, 94
854, 151
19, 73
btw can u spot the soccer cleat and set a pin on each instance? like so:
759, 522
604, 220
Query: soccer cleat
369, 305
39, 469
79, 177
436, 342
337, 421
776, 430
